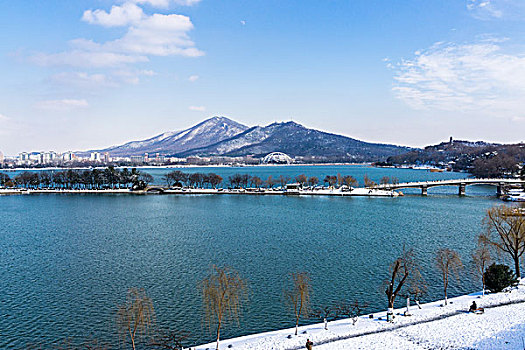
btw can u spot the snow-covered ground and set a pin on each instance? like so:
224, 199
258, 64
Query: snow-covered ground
7, 191
321, 192
435, 326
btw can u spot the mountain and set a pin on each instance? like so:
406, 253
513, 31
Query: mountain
208, 132
297, 141
220, 136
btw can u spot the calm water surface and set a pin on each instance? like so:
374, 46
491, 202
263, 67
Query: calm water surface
66, 261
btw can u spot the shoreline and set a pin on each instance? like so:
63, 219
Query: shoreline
183, 166
432, 326
357, 192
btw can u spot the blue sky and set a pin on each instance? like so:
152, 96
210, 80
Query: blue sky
86, 74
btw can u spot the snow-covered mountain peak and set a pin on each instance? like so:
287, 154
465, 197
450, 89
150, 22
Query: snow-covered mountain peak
207, 132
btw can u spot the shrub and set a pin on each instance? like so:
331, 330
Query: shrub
499, 277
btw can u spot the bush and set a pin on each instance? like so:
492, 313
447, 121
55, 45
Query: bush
499, 277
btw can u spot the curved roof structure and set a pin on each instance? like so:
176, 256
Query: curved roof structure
277, 158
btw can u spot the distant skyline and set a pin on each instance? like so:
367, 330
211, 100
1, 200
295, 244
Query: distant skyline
89, 74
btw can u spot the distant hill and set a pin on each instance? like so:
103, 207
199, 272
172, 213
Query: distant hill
220, 136
480, 158
203, 134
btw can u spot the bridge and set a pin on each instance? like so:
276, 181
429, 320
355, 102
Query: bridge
154, 189
461, 183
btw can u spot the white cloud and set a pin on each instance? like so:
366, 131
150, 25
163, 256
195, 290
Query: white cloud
496, 9
79, 58
197, 108
477, 77
62, 105
95, 81
126, 14
82, 80
131, 76
193, 78
158, 35
166, 3
3, 118
154, 3
146, 35
484, 9
243, 23
186, 2
148, 72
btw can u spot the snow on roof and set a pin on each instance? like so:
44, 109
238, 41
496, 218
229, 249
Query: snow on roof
277, 158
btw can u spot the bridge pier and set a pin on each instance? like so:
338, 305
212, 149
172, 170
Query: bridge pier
499, 190
423, 190
462, 189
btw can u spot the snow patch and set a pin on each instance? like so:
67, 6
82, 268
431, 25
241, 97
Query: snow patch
433, 327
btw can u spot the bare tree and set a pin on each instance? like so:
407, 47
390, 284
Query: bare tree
417, 288
214, 180
324, 314
448, 262
339, 180
351, 310
283, 180
302, 179
136, 316
481, 259
350, 181
400, 272
331, 180
236, 180
223, 292
168, 178
299, 295
505, 230
256, 181
313, 180
169, 340
245, 179
270, 182
384, 180
368, 182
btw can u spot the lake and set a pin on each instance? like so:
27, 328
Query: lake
66, 261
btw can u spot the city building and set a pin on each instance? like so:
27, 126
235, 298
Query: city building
36, 158
158, 158
23, 157
137, 159
95, 157
176, 160
68, 156
49, 157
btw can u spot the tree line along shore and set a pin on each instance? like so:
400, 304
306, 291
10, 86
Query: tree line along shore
224, 291
112, 178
